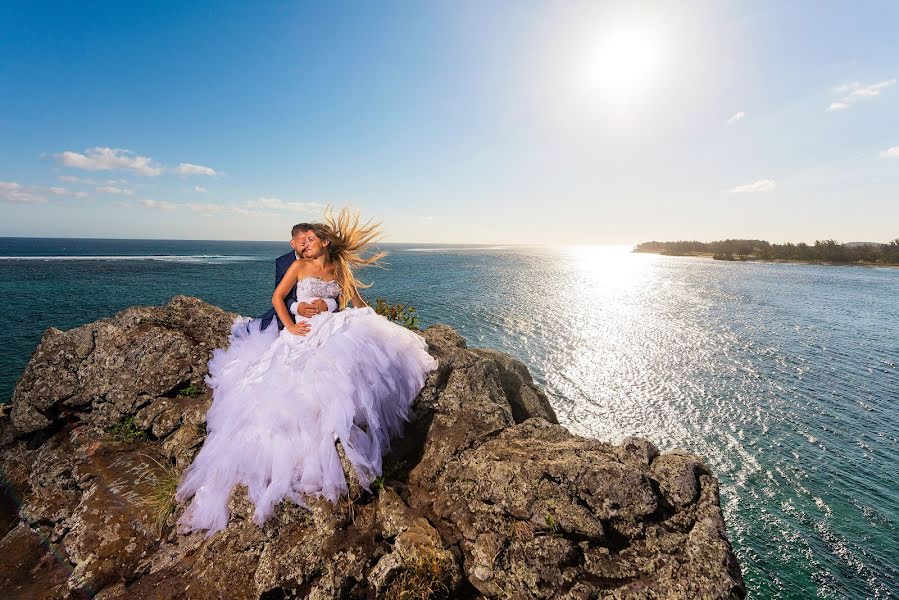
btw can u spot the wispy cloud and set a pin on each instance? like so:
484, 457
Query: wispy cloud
890, 152
239, 210
158, 204
110, 189
762, 185
207, 209
58, 191
73, 179
737, 117
101, 158
855, 91
427, 220
200, 188
17, 193
252, 208
186, 169
109, 159
279, 205
121, 203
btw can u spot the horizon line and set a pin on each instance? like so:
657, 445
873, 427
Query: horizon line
517, 244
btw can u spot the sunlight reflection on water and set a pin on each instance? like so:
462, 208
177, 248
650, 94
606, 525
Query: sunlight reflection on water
782, 377
762, 369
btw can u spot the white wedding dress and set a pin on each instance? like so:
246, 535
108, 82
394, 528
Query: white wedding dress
281, 400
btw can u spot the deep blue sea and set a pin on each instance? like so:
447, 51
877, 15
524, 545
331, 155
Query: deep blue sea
784, 377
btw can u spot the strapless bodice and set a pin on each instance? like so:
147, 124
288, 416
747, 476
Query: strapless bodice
314, 287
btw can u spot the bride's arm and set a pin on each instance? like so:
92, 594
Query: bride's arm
287, 282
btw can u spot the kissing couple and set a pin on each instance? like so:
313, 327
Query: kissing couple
306, 374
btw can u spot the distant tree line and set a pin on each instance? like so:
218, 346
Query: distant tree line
821, 250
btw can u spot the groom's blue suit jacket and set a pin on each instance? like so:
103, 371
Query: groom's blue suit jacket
282, 263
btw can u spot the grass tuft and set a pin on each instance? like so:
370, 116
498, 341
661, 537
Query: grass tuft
161, 498
127, 431
427, 578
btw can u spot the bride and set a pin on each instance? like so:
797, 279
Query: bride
282, 400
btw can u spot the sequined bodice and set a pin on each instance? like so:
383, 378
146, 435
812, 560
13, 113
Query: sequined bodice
313, 287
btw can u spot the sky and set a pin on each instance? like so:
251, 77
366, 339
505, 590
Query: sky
503, 122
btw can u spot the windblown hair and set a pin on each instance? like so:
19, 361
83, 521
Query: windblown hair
348, 241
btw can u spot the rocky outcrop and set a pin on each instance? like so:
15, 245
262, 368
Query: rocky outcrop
486, 495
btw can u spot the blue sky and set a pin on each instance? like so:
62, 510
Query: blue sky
478, 122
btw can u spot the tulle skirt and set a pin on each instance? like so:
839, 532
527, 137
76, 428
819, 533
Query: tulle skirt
281, 401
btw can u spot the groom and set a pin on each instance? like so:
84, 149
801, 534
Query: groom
282, 263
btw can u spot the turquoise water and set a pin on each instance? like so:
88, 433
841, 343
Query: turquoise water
784, 377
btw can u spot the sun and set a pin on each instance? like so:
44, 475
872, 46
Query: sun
624, 62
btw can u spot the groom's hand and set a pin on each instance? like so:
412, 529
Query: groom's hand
301, 328
306, 309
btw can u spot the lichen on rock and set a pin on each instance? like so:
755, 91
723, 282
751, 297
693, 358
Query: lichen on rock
485, 495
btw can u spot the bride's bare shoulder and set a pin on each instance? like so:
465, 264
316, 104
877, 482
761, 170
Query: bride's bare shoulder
297, 268
300, 264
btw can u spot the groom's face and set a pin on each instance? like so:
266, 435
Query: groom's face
298, 243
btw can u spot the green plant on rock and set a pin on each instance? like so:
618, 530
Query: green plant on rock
398, 313
551, 524
191, 391
390, 470
127, 431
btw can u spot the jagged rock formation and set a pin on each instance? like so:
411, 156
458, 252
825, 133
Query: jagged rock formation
484, 496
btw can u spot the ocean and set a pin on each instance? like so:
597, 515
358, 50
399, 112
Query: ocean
784, 377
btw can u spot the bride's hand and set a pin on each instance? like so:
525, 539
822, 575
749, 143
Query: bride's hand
301, 328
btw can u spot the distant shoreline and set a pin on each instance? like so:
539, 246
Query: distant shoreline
714, 256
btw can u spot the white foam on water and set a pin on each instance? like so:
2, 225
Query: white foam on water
194, 258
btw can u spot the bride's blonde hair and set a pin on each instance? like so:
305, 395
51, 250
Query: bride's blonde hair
348, 239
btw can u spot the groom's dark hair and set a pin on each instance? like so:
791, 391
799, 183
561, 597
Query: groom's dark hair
300, 227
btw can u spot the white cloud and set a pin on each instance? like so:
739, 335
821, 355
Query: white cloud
276, 204
159, 204
20, 194
110, 189
206, 209
890, 152
109, 159
852, 92
200, 188
427, 220
858, 90
15, 193
122, 204
58, 191
762, 185
252, 208
118, 159
737, 117
73, 179
190, 169
245, 211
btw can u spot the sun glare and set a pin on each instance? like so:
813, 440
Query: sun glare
624, 62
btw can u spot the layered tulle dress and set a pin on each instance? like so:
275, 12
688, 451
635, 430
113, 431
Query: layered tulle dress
282, 401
